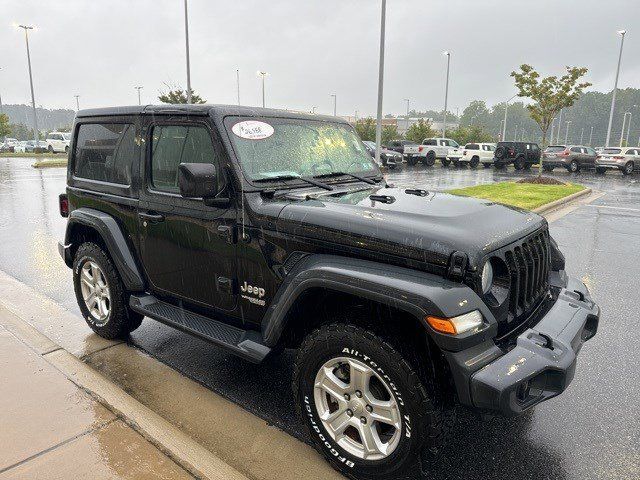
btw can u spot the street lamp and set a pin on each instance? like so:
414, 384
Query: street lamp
77, 102
624, 123
383, 24
335, 104
591, 137
615, 88
186, 35
26, 29
446, 95
504, 125
139, 87
566, 133
515, 134
262, 74
407, 100
581, 135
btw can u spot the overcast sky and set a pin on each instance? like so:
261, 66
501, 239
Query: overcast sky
101, 49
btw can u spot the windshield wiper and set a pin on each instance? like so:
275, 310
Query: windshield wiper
342, 174
294, 177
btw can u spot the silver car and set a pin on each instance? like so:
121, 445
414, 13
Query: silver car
625, 159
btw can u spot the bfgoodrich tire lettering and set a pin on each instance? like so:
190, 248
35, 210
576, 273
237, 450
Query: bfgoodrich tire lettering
421, 420
121, 320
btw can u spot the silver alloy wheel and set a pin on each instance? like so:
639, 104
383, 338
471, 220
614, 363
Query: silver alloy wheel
357, 409
95, 292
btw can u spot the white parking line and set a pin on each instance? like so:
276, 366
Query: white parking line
615, 208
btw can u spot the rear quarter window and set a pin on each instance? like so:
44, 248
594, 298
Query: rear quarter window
105, 152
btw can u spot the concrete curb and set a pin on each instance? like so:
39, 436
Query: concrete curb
562, 202
171, 441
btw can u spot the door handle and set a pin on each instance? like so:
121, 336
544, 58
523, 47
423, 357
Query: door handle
151, 217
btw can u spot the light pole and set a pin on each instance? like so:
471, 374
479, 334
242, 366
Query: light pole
262, 74
566, 133
238, 83
591, 137
186, 35
446, 95
335, 104
504, 125
407, 100
615, 88
515, 134
383, 23
624, 124
139, 87
77, 102
26, 29
581, 135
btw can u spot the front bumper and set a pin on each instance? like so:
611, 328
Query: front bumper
542, 363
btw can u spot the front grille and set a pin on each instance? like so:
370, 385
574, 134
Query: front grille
528, 261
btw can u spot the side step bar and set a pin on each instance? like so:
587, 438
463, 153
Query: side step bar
244, 343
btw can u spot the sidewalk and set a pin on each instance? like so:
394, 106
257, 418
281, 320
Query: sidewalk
50, 428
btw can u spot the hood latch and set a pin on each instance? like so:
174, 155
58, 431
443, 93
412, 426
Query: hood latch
457, 266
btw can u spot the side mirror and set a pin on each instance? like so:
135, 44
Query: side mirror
198, 180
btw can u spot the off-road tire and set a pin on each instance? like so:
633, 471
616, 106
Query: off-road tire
473, 163
519, 163
446, 162
527, 166
500, 153
427, 420
430, 159
121, 320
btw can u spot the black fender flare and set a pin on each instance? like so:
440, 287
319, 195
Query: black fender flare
415, 292
114, 240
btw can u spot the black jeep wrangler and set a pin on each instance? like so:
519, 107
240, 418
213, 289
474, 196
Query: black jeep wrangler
259, 230
521, 154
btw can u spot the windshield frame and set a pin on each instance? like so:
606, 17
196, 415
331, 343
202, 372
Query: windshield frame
228, 121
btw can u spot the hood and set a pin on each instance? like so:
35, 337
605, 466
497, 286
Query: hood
426, 227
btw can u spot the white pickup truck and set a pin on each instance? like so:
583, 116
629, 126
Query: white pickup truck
432, 149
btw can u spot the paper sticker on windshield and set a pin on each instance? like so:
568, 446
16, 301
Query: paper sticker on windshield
253, 130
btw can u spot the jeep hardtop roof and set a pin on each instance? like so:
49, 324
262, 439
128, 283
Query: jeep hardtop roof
217, 111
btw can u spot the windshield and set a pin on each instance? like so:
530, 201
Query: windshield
66, 136
275, 147
611, 151
555, 148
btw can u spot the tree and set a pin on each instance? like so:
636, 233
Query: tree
549, 94
4, 125
177, 95
389, 132
473, 134
366, 128
419, 131
476, 113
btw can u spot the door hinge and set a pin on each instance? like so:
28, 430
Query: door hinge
227, 285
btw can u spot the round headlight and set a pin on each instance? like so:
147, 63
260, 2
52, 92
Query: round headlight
487, 277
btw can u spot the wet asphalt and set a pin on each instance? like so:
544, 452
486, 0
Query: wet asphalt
592, 431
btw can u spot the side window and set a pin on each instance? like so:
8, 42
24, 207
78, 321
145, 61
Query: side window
472, 146
105, 152
429, 142
176, 144
576, 149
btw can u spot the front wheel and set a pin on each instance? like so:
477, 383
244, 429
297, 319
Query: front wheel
101, 295
473, 163
430, 159
628, 169
365, 405
50, 149
574, 166
519, 163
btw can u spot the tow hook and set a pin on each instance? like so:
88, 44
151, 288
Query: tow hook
548, 343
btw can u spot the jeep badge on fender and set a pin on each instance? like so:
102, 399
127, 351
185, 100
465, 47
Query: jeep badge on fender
401, 306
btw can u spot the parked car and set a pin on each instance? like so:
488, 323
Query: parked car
20, 147
572, 157
8, 145
432, 149
476, 153
521, 154
58, 142
627, 160
389, 158
258, 230
398, 145
42, 146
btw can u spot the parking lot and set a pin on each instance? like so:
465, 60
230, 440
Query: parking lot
591, 431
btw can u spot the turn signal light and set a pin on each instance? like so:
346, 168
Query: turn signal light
442, 325
456, 325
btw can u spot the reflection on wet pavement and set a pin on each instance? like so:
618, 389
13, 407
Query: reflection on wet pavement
591, 431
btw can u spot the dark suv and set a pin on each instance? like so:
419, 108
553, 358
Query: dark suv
521, 154
259, 230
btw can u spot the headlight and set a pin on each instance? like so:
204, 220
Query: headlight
487, 277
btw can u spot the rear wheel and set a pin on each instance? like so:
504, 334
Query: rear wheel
446, 162
366, 406
518, 164
628, 169
101, 295
50, 149
430, 159
574, 166
473, 163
